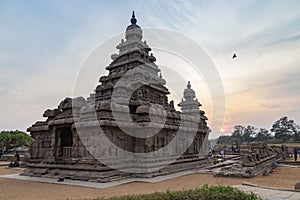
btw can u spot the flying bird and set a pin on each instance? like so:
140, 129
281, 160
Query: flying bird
234, 56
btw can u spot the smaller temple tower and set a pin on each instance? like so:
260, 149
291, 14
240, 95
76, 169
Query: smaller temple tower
190, 104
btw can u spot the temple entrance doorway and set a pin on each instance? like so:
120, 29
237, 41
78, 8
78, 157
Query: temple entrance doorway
64, 143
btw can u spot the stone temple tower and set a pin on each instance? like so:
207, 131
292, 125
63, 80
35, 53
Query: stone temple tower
132, 97
190, 104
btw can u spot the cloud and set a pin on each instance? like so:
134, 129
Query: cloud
43, 45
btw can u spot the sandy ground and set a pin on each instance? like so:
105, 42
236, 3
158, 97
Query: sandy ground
282, 177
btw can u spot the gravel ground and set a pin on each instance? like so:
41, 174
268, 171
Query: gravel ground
282, 177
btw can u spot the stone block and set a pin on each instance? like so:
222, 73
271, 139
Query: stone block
297, 186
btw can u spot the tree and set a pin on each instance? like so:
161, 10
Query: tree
224, 139
249, 133
243, 134
238, 132
296, 136
11, 139
263, 135
284, 129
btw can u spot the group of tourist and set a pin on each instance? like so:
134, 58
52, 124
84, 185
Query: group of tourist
222, 150
16, 159
235, 150
214, 153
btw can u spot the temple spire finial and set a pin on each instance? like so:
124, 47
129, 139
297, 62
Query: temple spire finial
189, 85
133, 19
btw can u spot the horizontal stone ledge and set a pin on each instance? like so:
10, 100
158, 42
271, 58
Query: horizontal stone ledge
38, 128
92, 124
61, 121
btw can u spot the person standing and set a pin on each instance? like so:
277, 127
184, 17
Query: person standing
4, 150
233, 149
295, 154
222, 153
213, 153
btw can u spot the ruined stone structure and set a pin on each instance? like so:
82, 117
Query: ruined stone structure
258, 157
69, 143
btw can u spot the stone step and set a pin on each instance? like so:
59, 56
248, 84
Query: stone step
98, 173
4, 163
222, 164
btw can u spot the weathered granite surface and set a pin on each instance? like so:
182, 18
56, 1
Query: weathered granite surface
62, 146
259, 157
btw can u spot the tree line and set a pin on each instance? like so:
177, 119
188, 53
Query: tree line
283, 130
11, 139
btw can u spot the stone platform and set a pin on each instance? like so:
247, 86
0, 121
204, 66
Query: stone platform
97, 172
258, 158
106, 184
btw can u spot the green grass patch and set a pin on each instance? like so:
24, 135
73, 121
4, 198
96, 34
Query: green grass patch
204, 193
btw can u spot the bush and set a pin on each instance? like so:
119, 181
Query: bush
205, 193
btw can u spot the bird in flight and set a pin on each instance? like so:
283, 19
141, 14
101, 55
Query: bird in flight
234, 56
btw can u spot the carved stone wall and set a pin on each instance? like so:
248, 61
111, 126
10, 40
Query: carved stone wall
57, 139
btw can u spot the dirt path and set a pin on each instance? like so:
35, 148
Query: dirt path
5, 170
282, 177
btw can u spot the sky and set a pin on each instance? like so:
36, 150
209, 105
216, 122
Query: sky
44, 44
